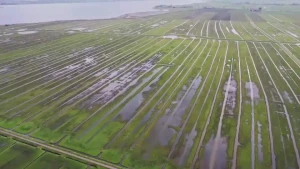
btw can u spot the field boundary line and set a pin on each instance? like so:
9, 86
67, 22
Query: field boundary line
285, 61
97, 111
201, 33
280, 75
273, 157
207, 30
218, 136
236, 142
94, 70
56, 149
181, 158
283, 31
152, 98
290, 54
192, 28
284, 107
222, 29
216, 30
203, 133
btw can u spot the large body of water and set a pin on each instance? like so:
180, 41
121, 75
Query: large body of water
13, 14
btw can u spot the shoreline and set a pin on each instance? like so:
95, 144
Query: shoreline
125, 16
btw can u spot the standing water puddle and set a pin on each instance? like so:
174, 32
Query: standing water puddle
144, 81
96, 85
251, 86
221, 155
164, 134
231, 99
176, 120
119, 86
131, 107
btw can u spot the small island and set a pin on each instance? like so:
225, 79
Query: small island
172, 6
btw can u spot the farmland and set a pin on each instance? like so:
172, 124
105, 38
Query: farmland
208, 88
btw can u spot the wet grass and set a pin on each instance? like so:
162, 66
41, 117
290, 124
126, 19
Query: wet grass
5, 143
52, 161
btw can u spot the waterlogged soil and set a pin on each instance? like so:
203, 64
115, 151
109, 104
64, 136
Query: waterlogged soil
157, 136
163, 132
131, 107
143, 82
176, 120
251, 86
232, 93
118, 86
221, 154
98, 84
162, 137
287, 97
77, 67
188, 144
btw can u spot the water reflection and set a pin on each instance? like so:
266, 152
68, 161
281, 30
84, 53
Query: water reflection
12, 14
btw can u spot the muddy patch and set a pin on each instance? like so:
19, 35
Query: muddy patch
232, 94
252, 87
221, 154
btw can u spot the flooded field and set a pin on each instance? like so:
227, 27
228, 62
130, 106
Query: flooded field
204, 89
